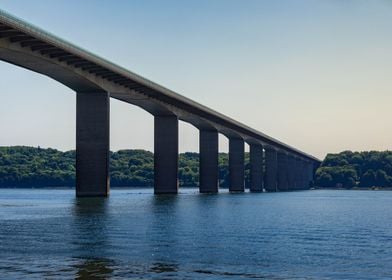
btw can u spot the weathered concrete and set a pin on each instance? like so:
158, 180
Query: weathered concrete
256, 168
282, 171
209, 169
237, 165
165, 154
271, 169
92, 144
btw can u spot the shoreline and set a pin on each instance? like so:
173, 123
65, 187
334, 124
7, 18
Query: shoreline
356, 189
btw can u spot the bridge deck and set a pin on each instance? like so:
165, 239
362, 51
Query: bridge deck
33, 48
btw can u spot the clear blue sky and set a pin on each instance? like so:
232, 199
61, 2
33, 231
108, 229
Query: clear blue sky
314, 74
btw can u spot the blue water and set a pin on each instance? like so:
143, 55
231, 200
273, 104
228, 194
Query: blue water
297, 235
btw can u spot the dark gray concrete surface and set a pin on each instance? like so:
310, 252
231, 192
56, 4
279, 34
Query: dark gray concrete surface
209, 169
165, 154
291, 172
92, 144
271, 169
282, 172
237, 164
256, 156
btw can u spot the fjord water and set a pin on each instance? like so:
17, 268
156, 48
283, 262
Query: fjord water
311, 234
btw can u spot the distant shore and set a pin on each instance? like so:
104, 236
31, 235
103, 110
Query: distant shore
356, 189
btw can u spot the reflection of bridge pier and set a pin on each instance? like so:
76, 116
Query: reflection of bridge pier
89, 234
276, 167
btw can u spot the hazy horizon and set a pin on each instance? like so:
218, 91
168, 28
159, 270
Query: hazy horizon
312, 74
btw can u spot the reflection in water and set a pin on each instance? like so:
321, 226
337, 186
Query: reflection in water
90, 238
164, 201
164, 231
91, 205
94, 269
163, 268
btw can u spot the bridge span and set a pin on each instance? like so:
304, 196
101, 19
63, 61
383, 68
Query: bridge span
274, 166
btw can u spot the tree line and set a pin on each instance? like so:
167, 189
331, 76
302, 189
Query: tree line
36, 167
356, 169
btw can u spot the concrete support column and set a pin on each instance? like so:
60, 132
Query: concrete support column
297, 168
256, 168
271, 169
302, 174
291, 172
165, 154
209, 152
92, 144
237, 164
282, 171
307, 174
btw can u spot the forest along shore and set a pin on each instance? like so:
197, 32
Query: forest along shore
22, 166
356, 170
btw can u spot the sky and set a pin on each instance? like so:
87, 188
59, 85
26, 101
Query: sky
313, 74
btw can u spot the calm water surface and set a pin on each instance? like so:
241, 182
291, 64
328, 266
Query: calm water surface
299, 235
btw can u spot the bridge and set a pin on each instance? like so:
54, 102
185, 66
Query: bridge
274, 166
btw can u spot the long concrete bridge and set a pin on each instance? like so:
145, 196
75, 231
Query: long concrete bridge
274, 166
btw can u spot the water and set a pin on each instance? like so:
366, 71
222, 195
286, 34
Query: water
298, 235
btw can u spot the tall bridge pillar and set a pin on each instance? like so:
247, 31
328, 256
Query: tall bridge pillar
282, 171
297, 168
256, 167
291, 172
92, 143
304, 175
237, 165
209, 152
271, 166
165, 154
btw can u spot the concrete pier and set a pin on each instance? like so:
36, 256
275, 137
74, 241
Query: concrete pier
302, 174
282, 171
256, 168
237, 165
209, 169
165, 154
92, 144
271, 169
297, 168
307, 174
291, 172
